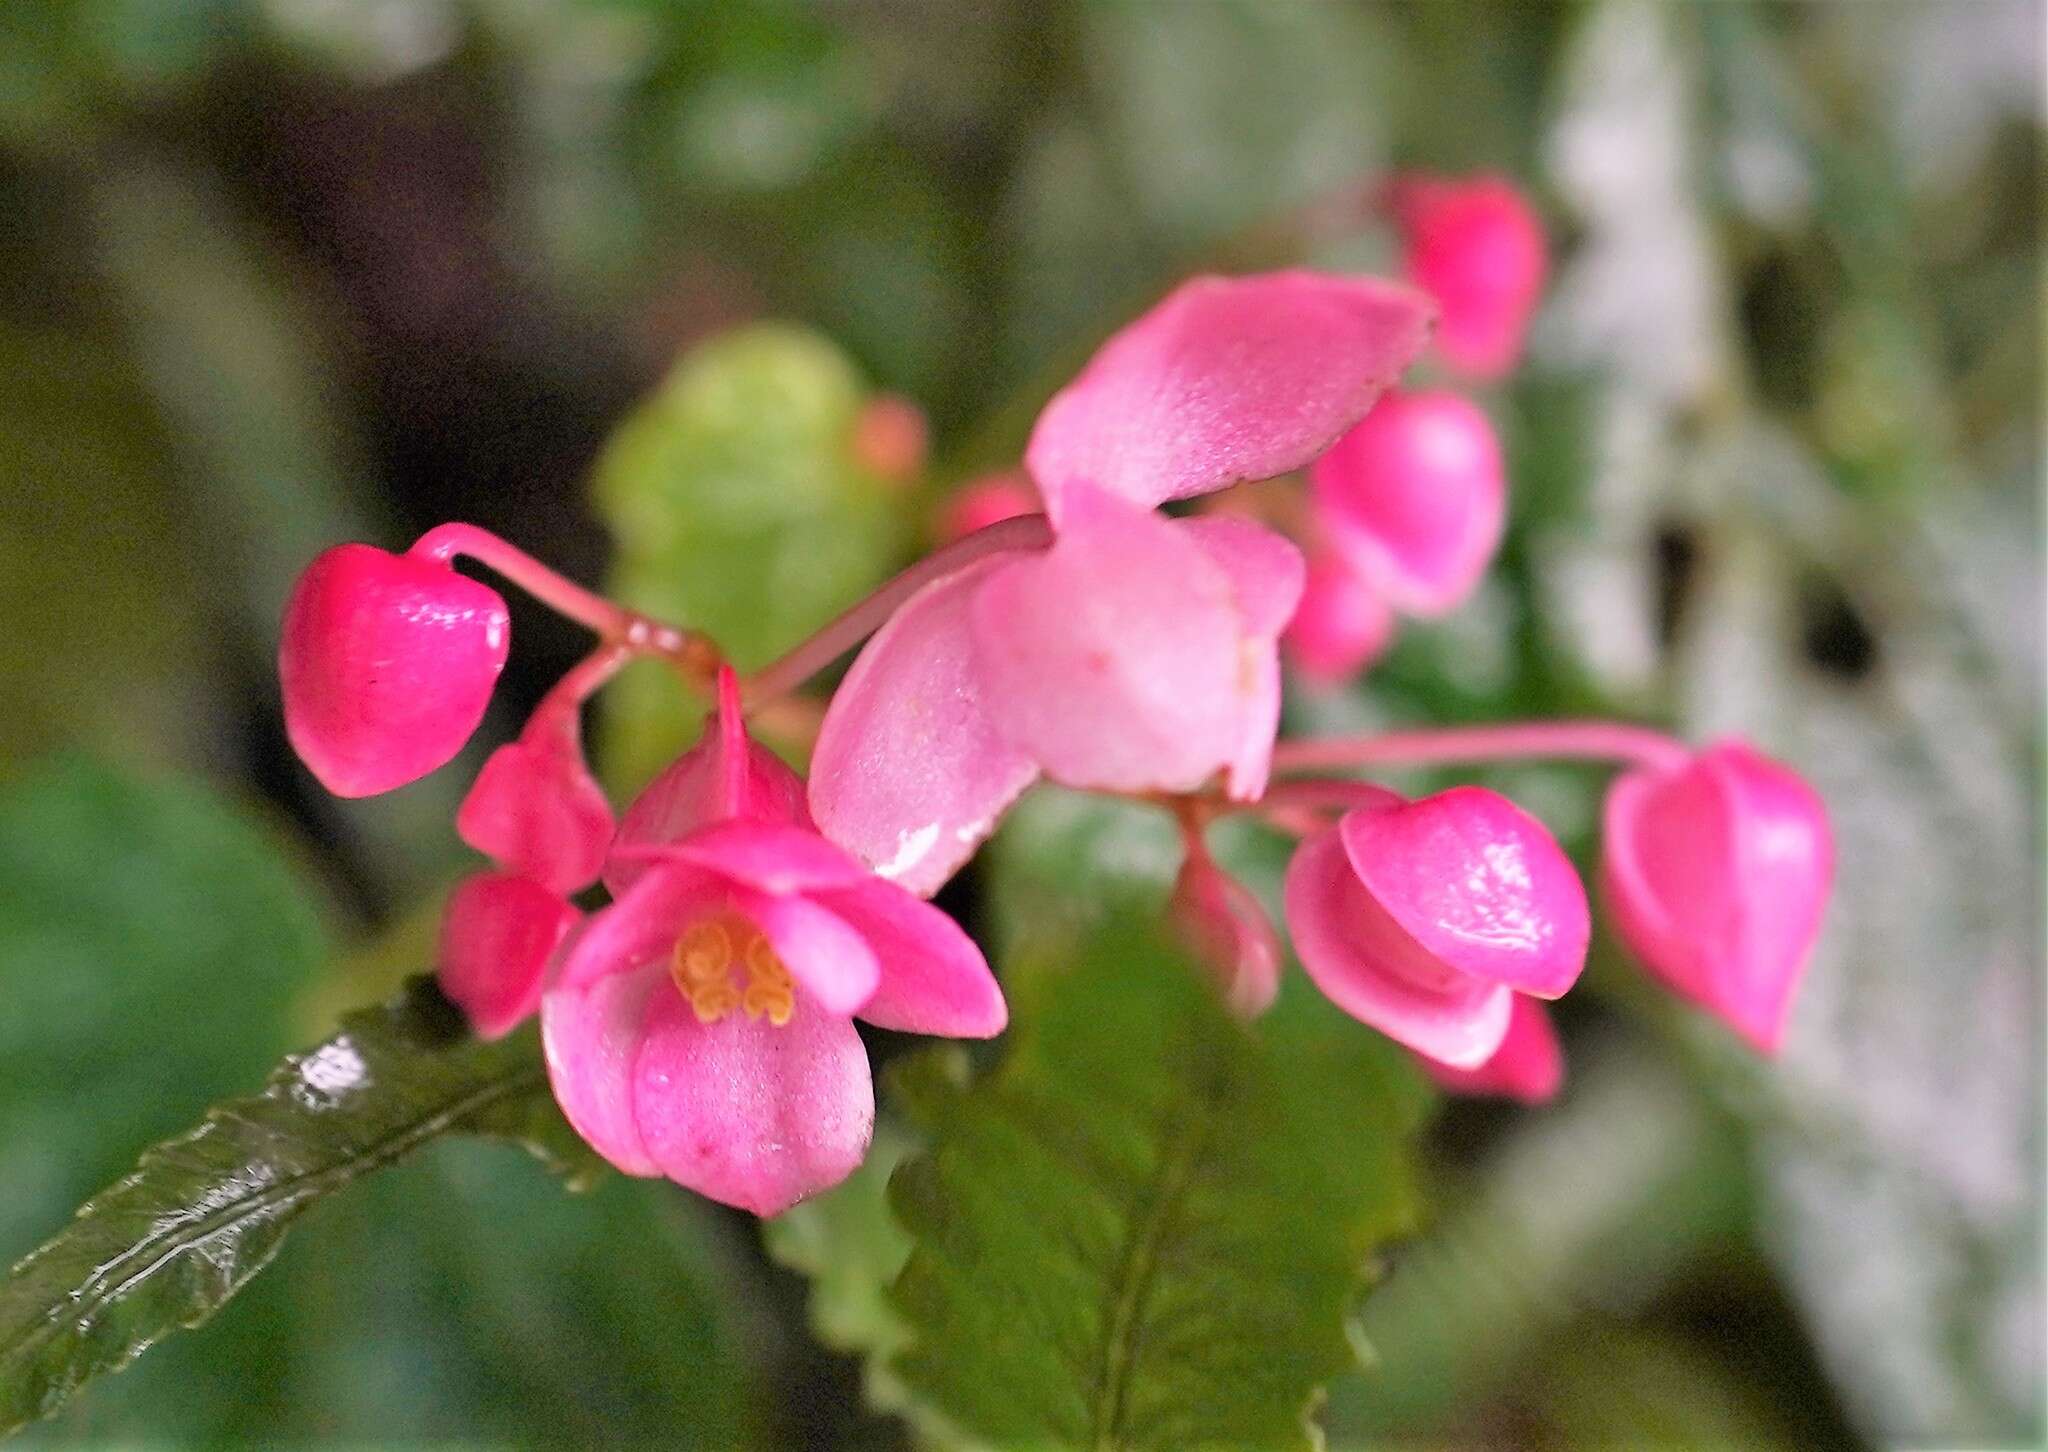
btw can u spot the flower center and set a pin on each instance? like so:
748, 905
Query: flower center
724, 962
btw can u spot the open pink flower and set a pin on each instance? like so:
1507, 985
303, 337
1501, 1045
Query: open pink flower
1475, 245
387, 663
1138, 652
1528, 1067
1717, 874
701, 1026
1414, 499
1425, 919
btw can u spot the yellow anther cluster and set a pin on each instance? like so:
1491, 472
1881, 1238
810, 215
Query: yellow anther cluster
704, 969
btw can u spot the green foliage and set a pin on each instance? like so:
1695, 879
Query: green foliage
738, 509
1148, 1226
170, 1243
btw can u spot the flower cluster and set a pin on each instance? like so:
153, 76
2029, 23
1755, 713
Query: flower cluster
699, 1024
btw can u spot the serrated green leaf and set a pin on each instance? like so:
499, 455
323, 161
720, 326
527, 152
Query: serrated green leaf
1148, 1226
169, 1244
738, 510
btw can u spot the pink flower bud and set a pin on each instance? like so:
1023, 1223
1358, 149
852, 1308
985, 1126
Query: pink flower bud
986, 501
889, 438
536, 811
1341, 627
1717, 874
387, 662
1475, 245
497, 935
1224, 926
1424, 919
1415, 498
1528, 1066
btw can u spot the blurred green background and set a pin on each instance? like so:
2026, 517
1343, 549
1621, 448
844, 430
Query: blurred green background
274, 275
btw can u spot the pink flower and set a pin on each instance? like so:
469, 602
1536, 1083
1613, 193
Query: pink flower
497, 934
1138, 652
1341, 626
1717, 874
1224, 926
1414, 499
387, 662
701, 1026
1425, 919
536, 811
1527, 1067
1477, 247
986, 501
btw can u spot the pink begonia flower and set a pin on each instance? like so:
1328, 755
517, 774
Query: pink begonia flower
1424, 919
1137, 653
1228, 379
1341, 626
1414, 498
1527, 1067
387, 663
983, 502
1227, 930
497, 934
536, 811
701, 1026
1717, 874
1476, 245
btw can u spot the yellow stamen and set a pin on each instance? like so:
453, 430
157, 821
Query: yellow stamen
705, 970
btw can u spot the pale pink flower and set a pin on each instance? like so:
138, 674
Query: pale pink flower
1425, 919
387, 663
1717, 873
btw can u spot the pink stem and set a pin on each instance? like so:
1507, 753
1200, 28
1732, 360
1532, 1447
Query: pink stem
560, 709
1022, 533
562, 595
1513, 741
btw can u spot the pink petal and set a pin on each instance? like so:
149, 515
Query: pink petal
1415, 498
1265, 568
590, 1033
1115, 658
725, 775
642, 925
1342, 627
1476, 245
818, 947
934, 979
387, 663
536, 811
1479, 884
1527, 1067
1228, 379
1367, 965
1717, 876
1227, 930
909, 773
747, 1113
770, 857
497, 935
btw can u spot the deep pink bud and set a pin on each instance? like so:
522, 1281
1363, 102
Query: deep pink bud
1477, 247
1425, 918
1717, 874
497, 935
1224, 926
986, 501
1414, 498
387, 662
1342, 625
536, 811
1528, 1066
